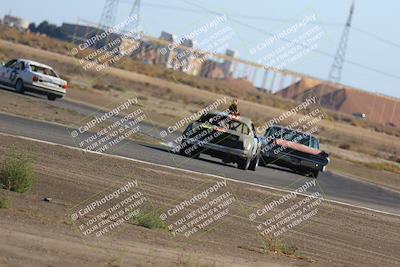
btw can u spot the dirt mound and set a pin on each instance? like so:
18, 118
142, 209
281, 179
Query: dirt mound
378, 108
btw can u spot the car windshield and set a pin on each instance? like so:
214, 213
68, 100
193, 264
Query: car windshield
43, 70
289, 135
296, 137
225, 122
11, 63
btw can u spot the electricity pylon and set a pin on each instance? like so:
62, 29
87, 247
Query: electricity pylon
133, 28
109, 14
335, 73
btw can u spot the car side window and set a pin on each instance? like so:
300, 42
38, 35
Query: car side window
267, 132
21, 65
314, 143
272, 131
253, 128
245, 129
11, 63
317, 144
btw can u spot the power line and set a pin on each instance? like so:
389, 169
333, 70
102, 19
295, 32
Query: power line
244, 16
359, 65
238, 15
374, 36
250, 17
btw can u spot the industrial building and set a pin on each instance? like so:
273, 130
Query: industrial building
21, 24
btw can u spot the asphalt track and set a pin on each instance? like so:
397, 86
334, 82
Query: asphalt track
332, 186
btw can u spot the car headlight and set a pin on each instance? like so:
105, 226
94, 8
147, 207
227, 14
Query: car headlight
246, 145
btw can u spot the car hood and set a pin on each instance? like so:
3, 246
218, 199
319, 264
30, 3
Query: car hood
298, 147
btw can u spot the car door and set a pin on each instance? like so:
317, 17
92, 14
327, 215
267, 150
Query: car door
11, 73
6, 70
17, 70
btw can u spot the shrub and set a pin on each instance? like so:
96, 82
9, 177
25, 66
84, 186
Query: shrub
276, 245
101, 87
149, 220
16, 172
345, 146
5, 203
384, 167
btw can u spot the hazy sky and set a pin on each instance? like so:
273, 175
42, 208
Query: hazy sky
377, 17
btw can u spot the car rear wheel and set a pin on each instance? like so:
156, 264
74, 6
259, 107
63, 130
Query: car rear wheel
264, 161
314, 174
243, 164
19, 86
309, 173
254, 163
187, 152
51, 97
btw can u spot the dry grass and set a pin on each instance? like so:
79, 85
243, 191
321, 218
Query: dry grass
384, 167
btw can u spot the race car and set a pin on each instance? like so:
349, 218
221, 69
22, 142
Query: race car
292, 149
27, 75
224, 136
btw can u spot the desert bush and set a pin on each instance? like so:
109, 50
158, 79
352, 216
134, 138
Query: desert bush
345, 146
356, 123
384, 167
16, 172
149, 220
102, 87
5, 203
276, 245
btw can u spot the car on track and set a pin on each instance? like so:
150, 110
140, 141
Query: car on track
27, 75
292, 149
224, 136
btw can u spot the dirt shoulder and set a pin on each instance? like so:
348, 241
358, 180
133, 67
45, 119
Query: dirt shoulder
37, 233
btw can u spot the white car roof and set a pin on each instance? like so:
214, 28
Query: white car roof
31, 62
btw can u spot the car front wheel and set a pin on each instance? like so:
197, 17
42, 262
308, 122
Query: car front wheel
19, 86
254, 163
243, 164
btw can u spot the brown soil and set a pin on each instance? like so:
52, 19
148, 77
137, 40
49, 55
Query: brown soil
378, 108
39, 233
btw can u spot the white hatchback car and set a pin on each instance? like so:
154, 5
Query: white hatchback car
28, 75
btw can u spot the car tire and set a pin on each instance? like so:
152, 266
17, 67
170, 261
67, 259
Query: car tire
254, 163
243, 164
51, 97
309, 173
19, 86
264, 161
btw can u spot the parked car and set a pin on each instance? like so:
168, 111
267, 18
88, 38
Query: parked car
227, 137
27, 75
296, 150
